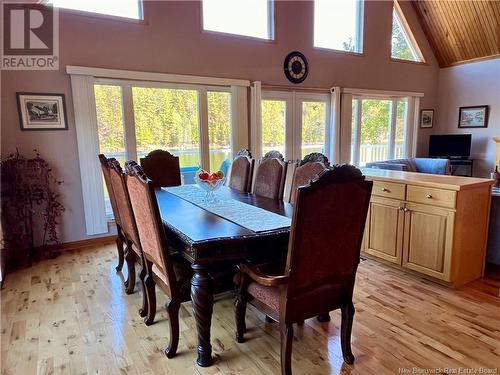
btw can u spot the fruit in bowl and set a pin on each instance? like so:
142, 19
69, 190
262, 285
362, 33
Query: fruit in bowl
209, 182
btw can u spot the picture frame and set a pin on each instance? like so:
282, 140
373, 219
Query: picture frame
40, 111
426, 118
473, 116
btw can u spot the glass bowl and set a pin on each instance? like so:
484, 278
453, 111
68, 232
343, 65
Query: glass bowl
210, 187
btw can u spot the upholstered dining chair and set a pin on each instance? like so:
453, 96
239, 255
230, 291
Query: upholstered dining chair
241, 171
162, 168
172, 274
120, 238
308, 169
269, 176
323, 255
133, 252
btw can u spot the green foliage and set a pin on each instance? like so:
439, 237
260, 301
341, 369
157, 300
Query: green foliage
273, 123
400, 48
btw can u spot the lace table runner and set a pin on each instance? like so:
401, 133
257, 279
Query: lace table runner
254, 218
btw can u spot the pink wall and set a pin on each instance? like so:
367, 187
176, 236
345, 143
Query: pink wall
468, 85
171, 41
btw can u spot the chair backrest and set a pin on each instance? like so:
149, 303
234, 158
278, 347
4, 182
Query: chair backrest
327, 229
274, 154
315, 157
149, 224
162, 168
106, 171
128, 226
269, 178
304, 173
241, 171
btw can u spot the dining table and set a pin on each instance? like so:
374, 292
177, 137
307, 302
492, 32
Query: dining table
236, 227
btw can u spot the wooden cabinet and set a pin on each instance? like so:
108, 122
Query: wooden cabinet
384, 234
430, 224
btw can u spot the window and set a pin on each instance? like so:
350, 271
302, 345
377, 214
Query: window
119, 8
338, 24
404, 45
167, 119
273, 125
379, 129
219, 128
252, 18
294, 123
110, 128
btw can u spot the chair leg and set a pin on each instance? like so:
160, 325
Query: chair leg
286, 349
119, 247
151, 295
173, 317
345, 332
323, 318
143, 311
240, 308
130, 259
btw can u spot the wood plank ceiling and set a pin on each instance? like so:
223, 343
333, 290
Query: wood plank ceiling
460, 31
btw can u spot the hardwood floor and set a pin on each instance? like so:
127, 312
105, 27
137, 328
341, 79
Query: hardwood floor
70, 315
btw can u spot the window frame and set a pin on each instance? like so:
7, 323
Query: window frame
408, 35
360, 27
143, 13
271, 26
356, 140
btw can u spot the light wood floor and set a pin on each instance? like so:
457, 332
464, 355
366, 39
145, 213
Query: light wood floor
70, 315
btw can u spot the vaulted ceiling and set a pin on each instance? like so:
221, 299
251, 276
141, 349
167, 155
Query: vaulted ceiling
459, 31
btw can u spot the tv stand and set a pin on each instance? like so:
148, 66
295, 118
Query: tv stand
461, 167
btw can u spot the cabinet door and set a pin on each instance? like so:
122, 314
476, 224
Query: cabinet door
428, 237
384, 229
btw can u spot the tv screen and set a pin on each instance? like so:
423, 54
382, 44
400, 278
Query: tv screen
450, 145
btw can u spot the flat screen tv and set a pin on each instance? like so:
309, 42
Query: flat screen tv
450, 146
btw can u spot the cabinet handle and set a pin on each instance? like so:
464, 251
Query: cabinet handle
406, 209
385, 190
429, 196
401, 208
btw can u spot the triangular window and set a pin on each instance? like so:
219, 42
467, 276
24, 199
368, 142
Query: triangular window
404, 45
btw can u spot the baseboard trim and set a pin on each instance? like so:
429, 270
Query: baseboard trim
75, 245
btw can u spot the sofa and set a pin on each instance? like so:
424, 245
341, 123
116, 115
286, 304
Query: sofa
422, 165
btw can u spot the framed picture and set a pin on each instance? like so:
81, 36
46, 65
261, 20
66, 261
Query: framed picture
42, 111
426, 118
473, 117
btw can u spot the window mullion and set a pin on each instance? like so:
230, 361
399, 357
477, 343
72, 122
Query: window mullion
357, 147
129, 122
203, 129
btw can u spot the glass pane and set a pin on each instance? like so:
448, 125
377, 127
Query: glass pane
399, 146
168, 119
273, 125
375, 124
313, 127
219, 128
401, 44
337, 24
120, 8
110, 128
354, 131
241, 17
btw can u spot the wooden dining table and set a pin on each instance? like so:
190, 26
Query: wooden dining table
206, 239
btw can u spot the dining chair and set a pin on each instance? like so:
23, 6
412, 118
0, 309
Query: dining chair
162, 168
241, 171
120, 238
172, 274
269, 176
133, 252
290, 173
323, 255
309, 168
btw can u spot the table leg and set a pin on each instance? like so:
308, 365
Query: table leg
203, 304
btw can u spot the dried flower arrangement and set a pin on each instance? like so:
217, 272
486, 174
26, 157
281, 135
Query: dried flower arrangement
30, 205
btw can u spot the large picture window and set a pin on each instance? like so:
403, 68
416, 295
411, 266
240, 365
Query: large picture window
118, 8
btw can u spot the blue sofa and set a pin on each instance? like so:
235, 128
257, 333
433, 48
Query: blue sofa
422, 165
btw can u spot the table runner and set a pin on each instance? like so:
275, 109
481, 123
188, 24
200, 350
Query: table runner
254, 218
